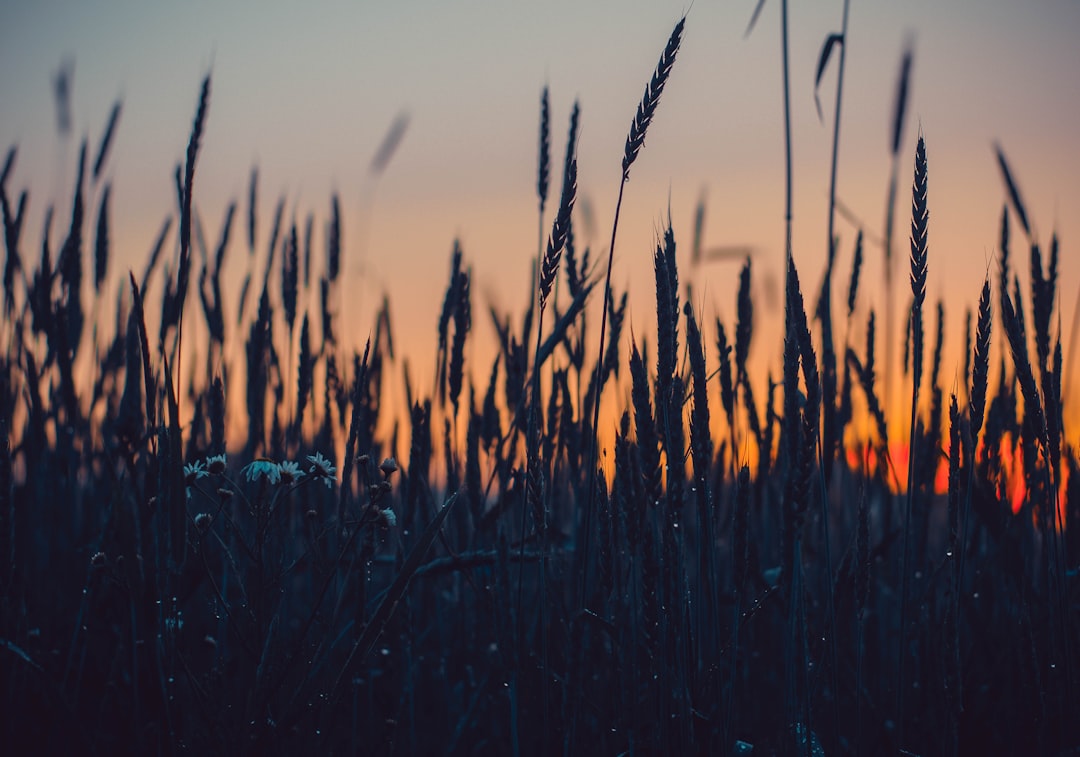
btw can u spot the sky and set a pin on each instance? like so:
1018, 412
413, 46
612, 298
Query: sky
307, 91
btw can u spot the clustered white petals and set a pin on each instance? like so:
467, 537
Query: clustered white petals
194, 471
285, 472
262, 467
290, 471
322, 468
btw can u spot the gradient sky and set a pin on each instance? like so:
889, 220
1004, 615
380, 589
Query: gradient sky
307, 92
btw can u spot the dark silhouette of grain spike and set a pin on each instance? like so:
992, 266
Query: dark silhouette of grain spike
1014, 191
12, 231
61, 87
217, 417
1043, 292
9, 163
856, 266
903, 87
309, 225
753, 18
1015, 331
919, 218
449, 308
647, 107
543, 173
223, 242
648, 442
184, 270
571, 140
69, 264
101, 240
727, 387
981, 365
1003, 259
290, 277
390, 143
106, 138
744, 327
865, 375
253, 197
333, 240
130, 421
305, 378
148, 377
699, 230
549, 269
462, 324
701, 443
275, 232
667, 317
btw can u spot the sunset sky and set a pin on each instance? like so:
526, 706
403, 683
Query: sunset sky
306, 92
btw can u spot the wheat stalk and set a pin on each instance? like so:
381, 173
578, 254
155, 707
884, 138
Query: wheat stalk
106, 138
919, 218
635, 140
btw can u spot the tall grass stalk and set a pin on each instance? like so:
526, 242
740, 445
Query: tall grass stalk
183, 271
843, 42
976, 414
903, 91
919, 217
543, 177
635, 140
534, 483
786, 82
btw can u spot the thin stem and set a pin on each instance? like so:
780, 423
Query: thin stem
836, 135
833, 652
912, 446
832, 253
787, 130
596, 403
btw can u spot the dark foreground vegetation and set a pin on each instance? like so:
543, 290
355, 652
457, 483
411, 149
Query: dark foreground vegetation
218, 539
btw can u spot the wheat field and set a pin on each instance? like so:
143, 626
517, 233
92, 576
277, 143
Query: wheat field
225, 530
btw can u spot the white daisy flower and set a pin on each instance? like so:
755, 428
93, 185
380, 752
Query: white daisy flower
290, 471
262, 467
194, 471
216, 464
322, 468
